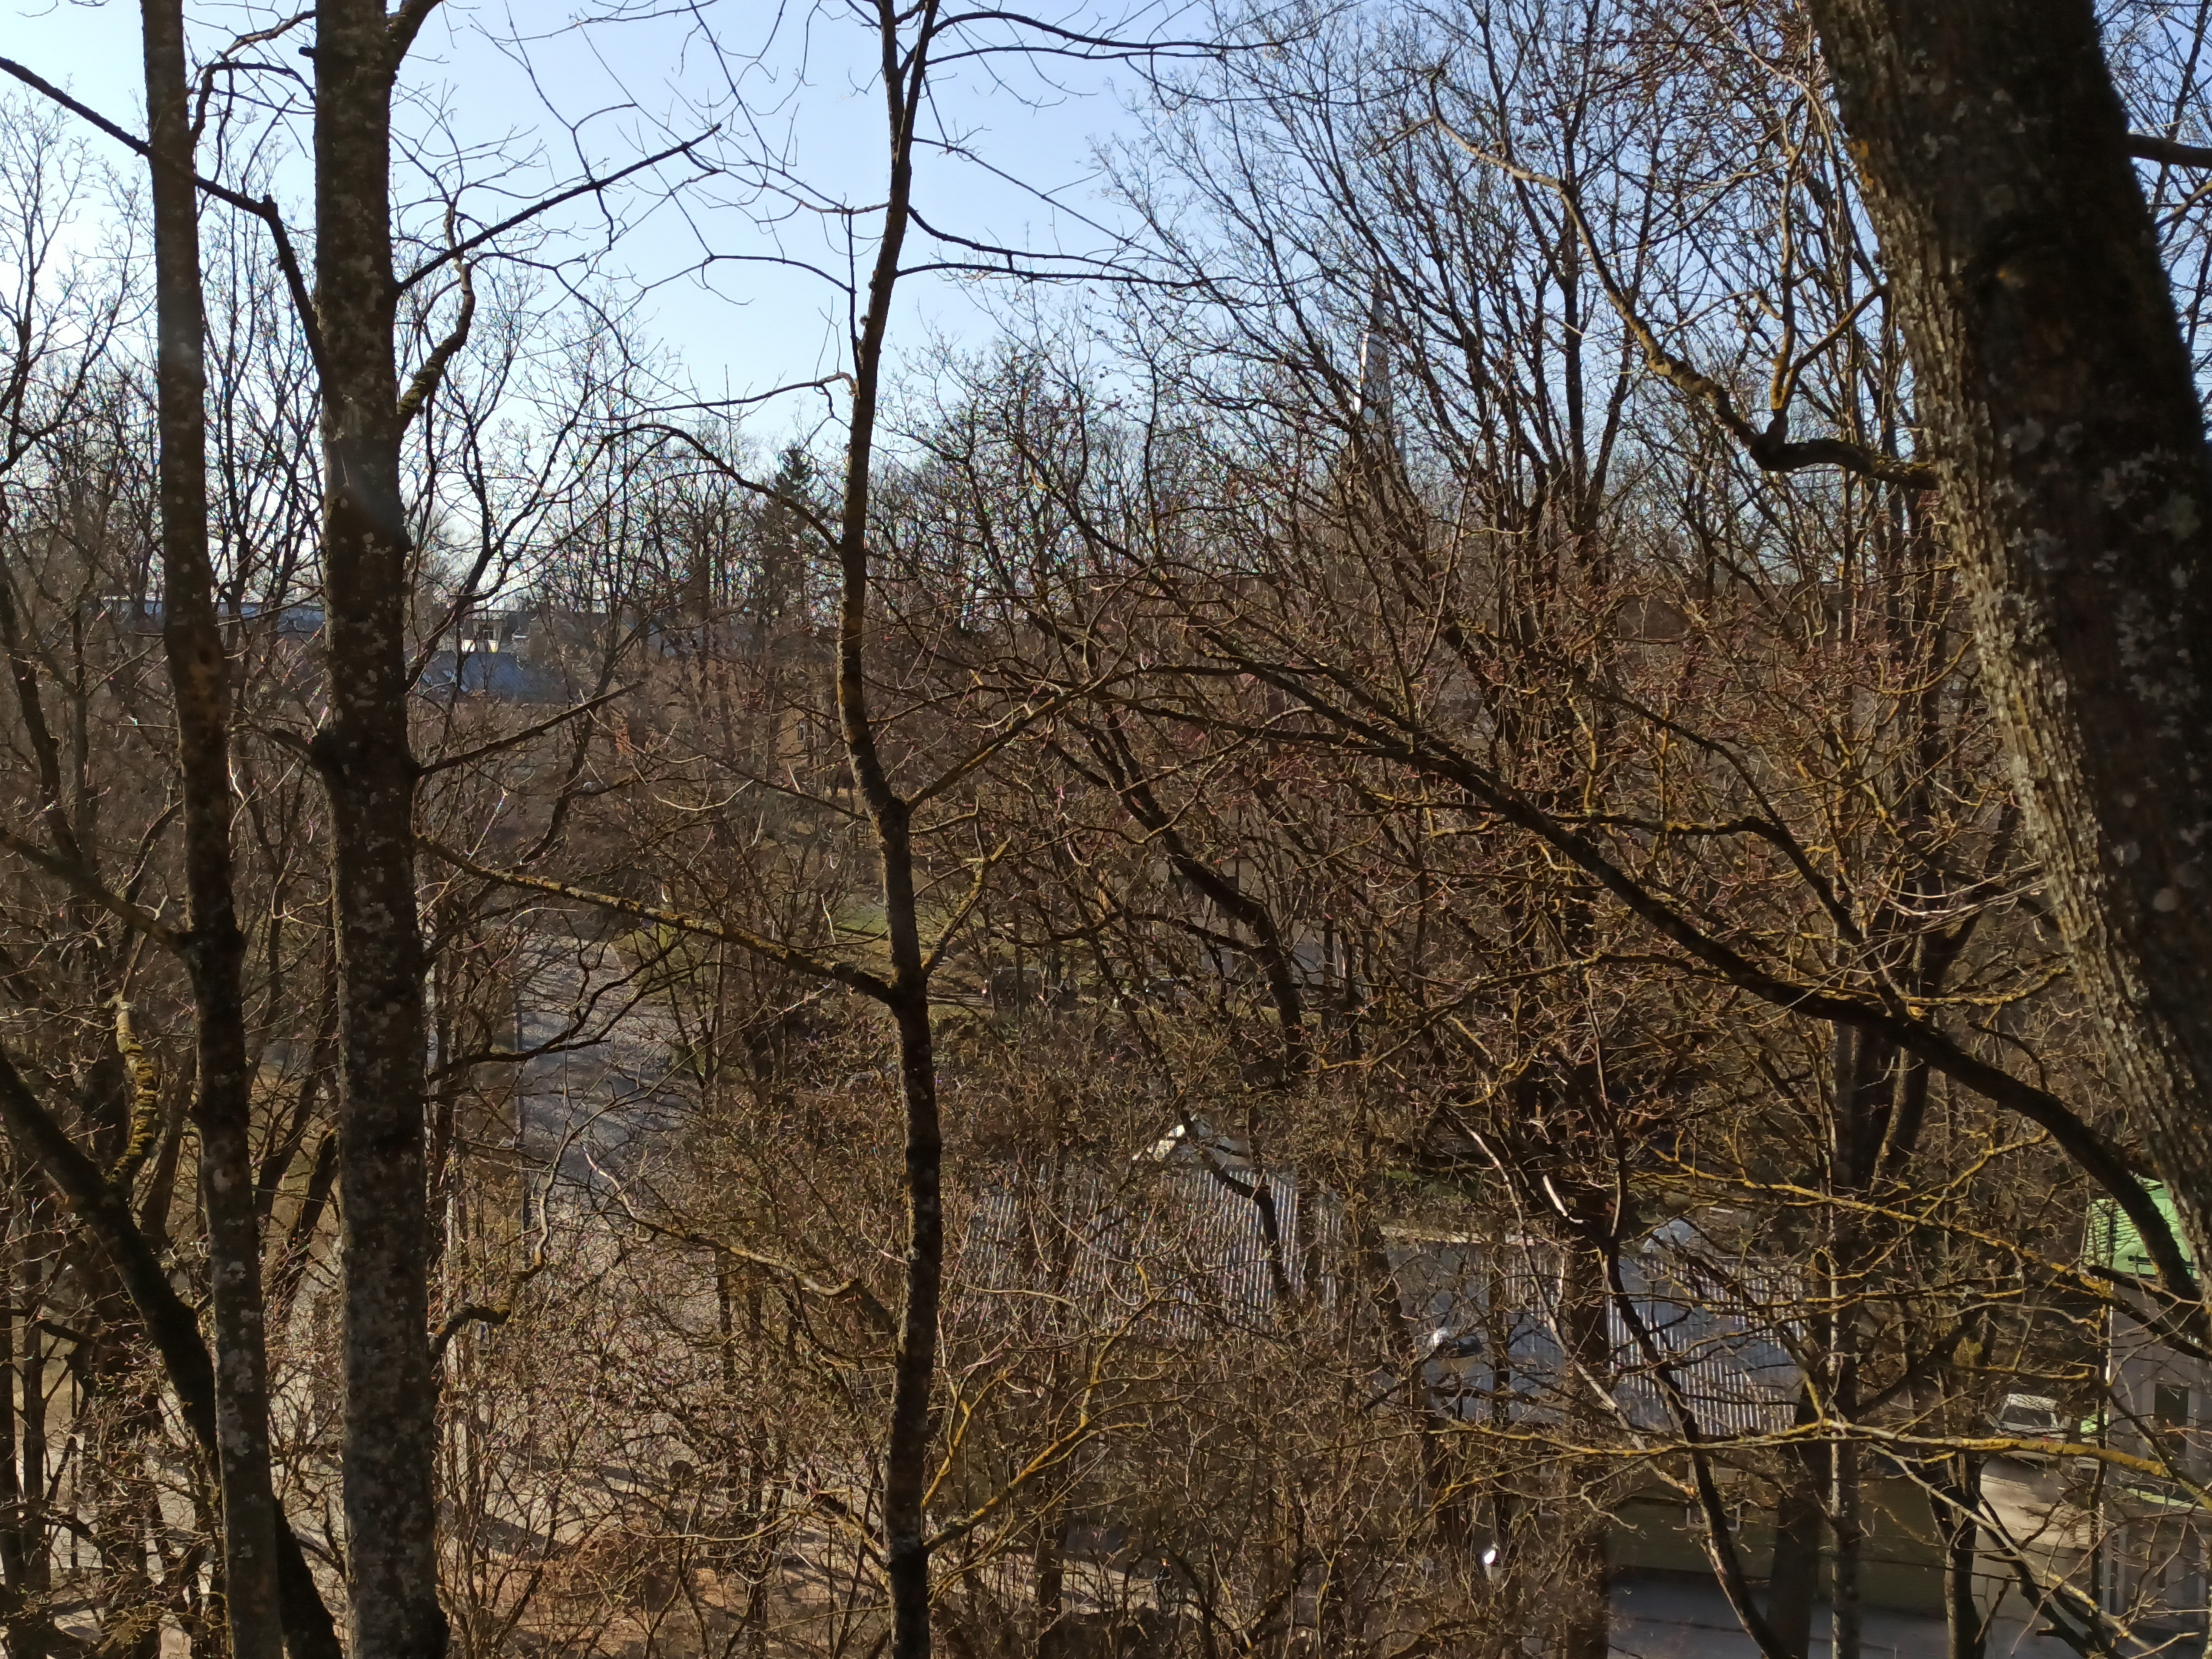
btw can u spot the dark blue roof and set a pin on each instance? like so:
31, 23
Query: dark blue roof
292, 620
503, 675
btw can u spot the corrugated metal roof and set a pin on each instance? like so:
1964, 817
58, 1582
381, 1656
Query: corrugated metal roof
2110, 1243
1181, 1255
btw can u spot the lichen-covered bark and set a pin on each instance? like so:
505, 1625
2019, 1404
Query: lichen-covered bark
369, 774
215, 948
2058, 401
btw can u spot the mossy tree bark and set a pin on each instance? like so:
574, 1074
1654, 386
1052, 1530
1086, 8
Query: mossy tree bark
2058, 401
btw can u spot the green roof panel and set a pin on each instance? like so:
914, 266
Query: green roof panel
2111, 1244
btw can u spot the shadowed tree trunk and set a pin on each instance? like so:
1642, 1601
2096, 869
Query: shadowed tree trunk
2060, 405
23, 1539
1586, 1346
11, 1488
170, 1325
213, 948
1955, 1495
1793, 1584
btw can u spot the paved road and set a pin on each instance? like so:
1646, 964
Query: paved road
605, 1089
1665, 1617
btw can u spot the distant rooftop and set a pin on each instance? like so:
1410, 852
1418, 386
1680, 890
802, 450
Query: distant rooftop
293, 619
502, 676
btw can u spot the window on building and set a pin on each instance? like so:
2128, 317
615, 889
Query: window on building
2170, 1407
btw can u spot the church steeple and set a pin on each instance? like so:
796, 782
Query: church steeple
1371, 403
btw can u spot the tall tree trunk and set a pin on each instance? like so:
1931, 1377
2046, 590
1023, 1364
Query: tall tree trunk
33, 1640
11, 1487
1586, 1351
1793, 1584
14, 1551
1048, 1567
1864, 1091
369, 774
1846, 1623
1955, 1497
215, 948
2061, 409
906, 1456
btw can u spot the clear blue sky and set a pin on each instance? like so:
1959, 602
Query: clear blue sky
603, 94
